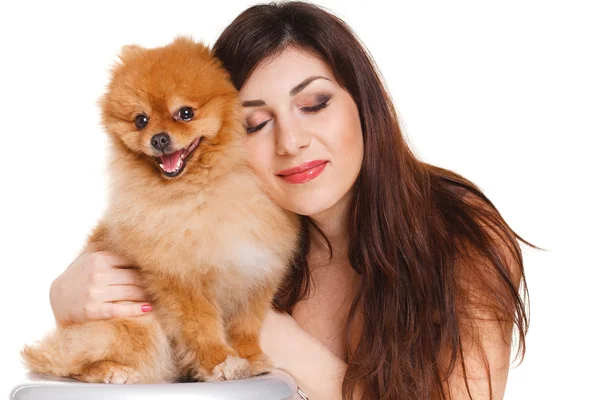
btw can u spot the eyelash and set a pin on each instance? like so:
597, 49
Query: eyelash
316, 108
252, 129
313, 109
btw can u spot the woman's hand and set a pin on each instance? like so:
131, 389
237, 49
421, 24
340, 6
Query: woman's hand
277, 335
314, 368
88, 288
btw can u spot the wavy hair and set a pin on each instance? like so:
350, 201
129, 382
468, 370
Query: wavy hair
431, 249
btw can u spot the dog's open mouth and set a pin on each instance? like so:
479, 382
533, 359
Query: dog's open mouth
172, 164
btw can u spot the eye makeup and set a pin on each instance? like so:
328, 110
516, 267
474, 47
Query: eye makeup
322, 102
256, 128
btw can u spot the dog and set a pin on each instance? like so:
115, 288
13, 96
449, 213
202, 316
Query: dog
184, 207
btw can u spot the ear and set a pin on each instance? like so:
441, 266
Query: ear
130, 51
188, 42
184, 40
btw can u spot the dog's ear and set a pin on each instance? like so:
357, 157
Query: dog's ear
188, 43
184, 40
130, 51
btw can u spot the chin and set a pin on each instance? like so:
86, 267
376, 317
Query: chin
312, 204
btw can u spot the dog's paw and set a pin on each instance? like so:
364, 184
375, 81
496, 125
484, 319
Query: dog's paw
233, 367
109, 372
260, 364
121, 375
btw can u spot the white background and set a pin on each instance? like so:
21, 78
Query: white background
506, 94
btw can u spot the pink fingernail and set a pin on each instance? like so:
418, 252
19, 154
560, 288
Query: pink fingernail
146, 308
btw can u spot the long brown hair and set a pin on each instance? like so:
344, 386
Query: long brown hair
419, 234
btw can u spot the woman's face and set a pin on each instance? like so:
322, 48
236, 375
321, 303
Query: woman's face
304, 133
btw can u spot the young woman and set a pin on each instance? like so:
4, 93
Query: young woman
408, 283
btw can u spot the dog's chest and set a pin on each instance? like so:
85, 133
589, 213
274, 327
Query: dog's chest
194, 237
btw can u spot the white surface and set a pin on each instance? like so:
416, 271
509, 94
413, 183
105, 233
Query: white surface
276, 385
505, 93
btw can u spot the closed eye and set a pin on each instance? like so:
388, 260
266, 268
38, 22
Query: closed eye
256, 128
312, 109
316, 108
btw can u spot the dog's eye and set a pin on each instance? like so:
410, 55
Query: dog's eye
185, 113
141, 121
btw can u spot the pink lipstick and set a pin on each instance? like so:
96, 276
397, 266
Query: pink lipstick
304, 172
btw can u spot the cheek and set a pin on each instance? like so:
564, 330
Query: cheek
132, 139
208, 127
260, 154
348, 140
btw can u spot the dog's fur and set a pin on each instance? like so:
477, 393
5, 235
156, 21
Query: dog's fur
211, 246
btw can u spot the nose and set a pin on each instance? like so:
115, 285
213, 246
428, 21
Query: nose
290, 137
161, 141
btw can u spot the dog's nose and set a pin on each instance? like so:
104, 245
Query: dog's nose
161, 141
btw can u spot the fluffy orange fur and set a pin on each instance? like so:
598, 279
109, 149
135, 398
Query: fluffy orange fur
210, 244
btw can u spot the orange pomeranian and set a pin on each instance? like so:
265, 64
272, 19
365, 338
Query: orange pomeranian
187, 210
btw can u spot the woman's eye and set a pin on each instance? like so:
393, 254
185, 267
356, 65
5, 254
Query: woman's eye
185, 113
316, 108
256, 128
141, 121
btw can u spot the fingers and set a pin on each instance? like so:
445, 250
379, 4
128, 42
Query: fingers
115, 286
126, 277
123, 292
120, 310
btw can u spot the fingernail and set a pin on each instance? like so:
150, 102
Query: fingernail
146, 308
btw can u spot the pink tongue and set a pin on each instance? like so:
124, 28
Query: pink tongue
169, 161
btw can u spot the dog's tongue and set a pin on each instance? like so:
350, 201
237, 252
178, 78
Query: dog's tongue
169, 161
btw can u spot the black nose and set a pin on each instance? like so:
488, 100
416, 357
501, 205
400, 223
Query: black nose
161, 141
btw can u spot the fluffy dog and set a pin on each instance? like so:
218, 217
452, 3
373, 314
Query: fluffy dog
184, 207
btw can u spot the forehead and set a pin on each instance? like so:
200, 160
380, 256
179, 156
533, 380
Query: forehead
284, 71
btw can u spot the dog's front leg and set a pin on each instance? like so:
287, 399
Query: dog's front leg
243, 330
200, 340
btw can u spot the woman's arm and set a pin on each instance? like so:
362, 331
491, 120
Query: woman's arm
315, 368
495, 341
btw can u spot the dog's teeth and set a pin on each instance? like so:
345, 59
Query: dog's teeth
177, 167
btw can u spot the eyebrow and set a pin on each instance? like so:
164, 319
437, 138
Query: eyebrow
295, 90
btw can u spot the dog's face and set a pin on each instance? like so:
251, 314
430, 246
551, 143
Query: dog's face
168, 104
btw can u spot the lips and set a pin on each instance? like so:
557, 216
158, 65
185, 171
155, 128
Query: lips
172, 164
304, 172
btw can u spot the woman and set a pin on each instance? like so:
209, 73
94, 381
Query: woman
408, 283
